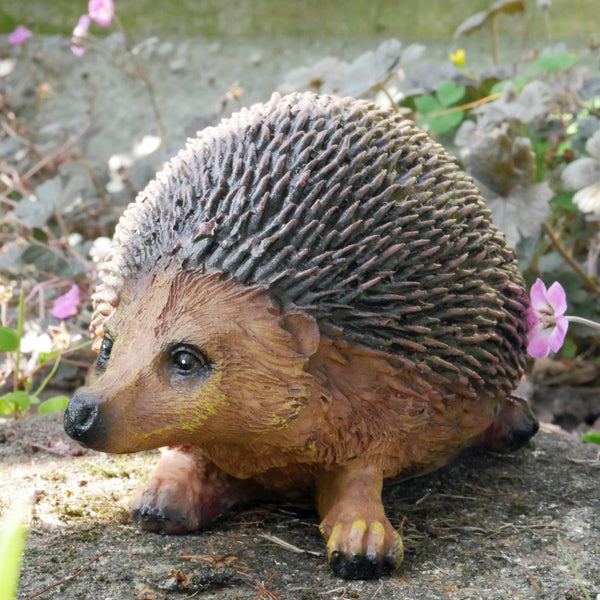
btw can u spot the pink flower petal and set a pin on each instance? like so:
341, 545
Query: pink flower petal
79, 35
101, 11
548, 325
532, 318
557, 298
557, 335
538, 346
77, 50
82, 27
538, 295
19, 36
65, 306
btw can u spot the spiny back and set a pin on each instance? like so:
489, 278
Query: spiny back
349, 212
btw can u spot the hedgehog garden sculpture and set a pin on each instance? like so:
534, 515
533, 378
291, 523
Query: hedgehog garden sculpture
308, 299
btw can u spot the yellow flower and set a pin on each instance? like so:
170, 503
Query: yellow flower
458, 57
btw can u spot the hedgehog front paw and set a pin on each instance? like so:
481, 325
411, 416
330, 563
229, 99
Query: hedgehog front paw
361, 542
357, 549
165, 510
185, 492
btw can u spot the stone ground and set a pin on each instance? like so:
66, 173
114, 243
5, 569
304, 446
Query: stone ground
524, 526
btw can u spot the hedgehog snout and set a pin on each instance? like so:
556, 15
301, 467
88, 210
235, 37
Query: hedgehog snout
82, 419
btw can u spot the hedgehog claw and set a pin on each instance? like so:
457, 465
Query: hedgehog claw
361, 542
367, 564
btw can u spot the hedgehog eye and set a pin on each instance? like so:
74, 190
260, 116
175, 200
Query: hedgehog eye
187, 362
105, 350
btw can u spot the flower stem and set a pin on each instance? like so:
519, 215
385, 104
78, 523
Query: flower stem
20, 319
143, 77
574, 319
49, 377
56, 362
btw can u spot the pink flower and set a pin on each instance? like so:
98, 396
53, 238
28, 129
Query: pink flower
79, 35
19, 36
65, 306
101, 11
548, 324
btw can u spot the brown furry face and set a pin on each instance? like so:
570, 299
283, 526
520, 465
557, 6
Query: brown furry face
190, 358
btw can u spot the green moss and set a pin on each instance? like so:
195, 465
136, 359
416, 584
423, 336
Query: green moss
54, 476
519, 509
89, 535
309, 595
113, 470
122, 516
67, 555
73, 512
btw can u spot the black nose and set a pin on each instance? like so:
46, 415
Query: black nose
82, 421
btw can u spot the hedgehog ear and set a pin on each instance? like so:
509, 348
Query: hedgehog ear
304, 330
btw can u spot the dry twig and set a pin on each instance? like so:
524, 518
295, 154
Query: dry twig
288, 546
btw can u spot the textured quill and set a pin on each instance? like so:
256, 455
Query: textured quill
350, 213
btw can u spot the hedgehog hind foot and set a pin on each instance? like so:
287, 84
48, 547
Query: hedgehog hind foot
513, 427
361, 542
186, 492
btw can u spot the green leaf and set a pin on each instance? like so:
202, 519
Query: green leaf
13, 401
428, 104
563, 147
443, 123
44, 357
568, 349
9, 339
592, 437
55, 404
517, 83
449, 93
12, 540
554, 62
540, 148
40, 235
564, 201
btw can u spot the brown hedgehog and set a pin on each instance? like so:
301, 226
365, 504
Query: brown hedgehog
309, 298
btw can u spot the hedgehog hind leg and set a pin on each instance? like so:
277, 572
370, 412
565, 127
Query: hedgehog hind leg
513, 426
361, 542
186, 492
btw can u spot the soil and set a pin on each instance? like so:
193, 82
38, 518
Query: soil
522, 526
490, 526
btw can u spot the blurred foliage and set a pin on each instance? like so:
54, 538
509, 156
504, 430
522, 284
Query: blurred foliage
23, 369
12, 541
